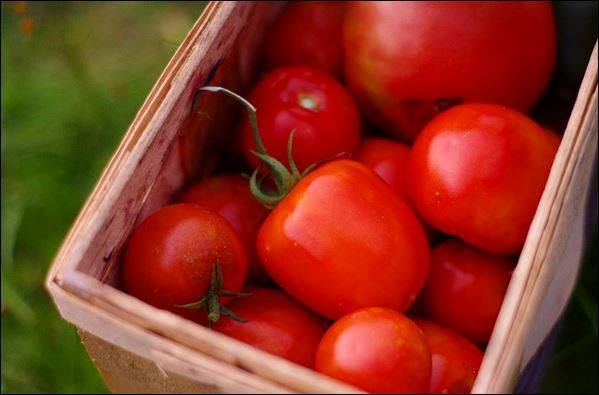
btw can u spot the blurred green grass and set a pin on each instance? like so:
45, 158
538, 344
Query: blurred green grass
70, 87
73, 76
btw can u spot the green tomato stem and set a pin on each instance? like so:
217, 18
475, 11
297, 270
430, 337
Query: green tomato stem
251, 110
210, 302
284, 178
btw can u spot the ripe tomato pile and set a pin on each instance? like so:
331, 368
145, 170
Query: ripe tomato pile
379, 258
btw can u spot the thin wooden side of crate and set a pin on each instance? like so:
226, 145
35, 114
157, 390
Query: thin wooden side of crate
546, 241
208, 372
125, 372
103, 302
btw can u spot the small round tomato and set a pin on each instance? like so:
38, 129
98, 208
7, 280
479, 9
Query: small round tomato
229, 195
406, 61
307, 33
276, 324
378, 350
317, 108
343, 240
465, 289
181, 254
477, 171
455, 359
388, 159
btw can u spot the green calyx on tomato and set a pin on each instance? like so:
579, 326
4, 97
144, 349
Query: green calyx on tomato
210, 301
285, 179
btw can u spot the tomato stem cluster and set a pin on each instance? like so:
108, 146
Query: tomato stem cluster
285, 178
210, 302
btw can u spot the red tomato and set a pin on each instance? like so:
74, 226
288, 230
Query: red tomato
171, 256
322, 113
229, 195
455, 359
307, 33
378, 350
342, 240
276, 324
465, 289
477, 171
407, 61
388, 159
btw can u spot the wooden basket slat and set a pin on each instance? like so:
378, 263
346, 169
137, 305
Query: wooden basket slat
153, 345
199, 338
125, 372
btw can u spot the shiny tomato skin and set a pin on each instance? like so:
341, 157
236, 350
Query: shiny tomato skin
307, 33
170, 257
322, 113
378, 350
229, 195
455, 359
407, 61
276, 324
388, 159
477, 171
342, 240
465, 289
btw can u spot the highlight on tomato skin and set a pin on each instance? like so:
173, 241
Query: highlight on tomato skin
477, 171
171, 258
378, 350
229, 196
455, 360
408, 61
312, 104
276, 324
306, 33
465, 289
343, 240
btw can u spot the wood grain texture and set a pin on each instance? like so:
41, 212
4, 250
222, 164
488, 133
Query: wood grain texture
166, 353
125, 372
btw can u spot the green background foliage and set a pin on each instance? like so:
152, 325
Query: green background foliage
70, 88
73, 76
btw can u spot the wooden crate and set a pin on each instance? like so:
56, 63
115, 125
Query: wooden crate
139, 348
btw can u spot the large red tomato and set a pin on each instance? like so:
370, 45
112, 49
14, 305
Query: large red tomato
174, 257
311, 103
378, 350
477, 171
229, 195
276, 324
342, 240
307, 33
408, 60
465, 288
455, 359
